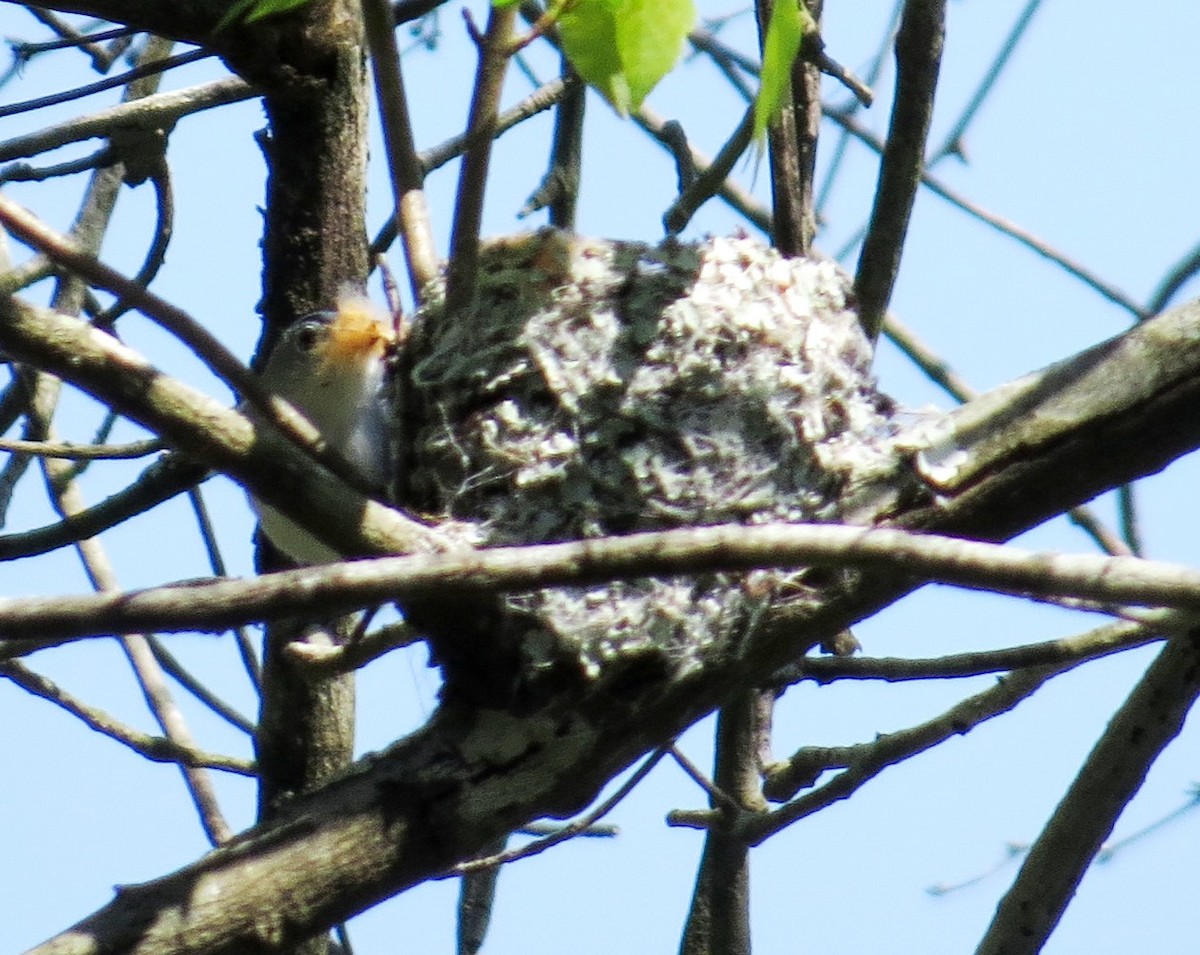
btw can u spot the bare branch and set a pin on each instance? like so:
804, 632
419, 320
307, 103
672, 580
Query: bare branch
867, 760
1111, 638
187, 20
495, 50
711, 176
1006, 227
68, 499
918, 58
1177, 276
323, 657
67, 449
538, 101
719, 918
952, 145
579, 827
215, 605
734, 195
408, 177
160, 482
1146, 722
160, 749
216, 562
113, 82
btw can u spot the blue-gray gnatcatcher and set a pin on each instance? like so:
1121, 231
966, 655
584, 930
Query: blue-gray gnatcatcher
333, 367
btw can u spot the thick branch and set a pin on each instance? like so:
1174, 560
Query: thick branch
1147, 721
1001, 464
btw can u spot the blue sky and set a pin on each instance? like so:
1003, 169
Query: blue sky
1087, 141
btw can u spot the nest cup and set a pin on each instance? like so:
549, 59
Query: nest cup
604, 387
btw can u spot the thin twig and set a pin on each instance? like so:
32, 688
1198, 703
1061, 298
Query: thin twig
570, 831
934, 366
538, 101
67, 499
180, 674
207, 346
66, 449
559, 188
940, 372
1176, 277
734, 195
24, 172
146, 69
1112, 849
1004, 226
866, 761
726, 59
495, 50
407, 174
952, 145
216, 563
710, 178
1103, 641
160, 749
875, 71
719, 798
101, 58
75, 40
151, 149
1090, 523
918, 58
1127, 509
160, 482
324, 658
161, 110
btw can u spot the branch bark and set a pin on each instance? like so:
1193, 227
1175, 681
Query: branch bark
1147, 721
918, 59
471, 775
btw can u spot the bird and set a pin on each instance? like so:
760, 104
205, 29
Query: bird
333, 367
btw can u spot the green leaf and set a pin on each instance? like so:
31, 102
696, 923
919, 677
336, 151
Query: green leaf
266, 8
251, 10
501, 4
624, 47
790, 21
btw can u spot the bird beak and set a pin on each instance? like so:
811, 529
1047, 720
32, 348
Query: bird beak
359, 332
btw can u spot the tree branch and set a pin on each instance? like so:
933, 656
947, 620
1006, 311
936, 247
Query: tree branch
161, 481
158, 748
996, 466
1140, 730
336, 588
918, 58
495, 48
408, 177
160, 111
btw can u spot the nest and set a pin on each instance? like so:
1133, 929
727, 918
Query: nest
602, 388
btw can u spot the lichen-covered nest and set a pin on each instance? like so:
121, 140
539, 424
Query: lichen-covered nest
607, 387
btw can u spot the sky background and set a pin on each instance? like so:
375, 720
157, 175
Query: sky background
1087, 141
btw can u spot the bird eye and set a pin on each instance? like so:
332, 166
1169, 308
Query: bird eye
308, 334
